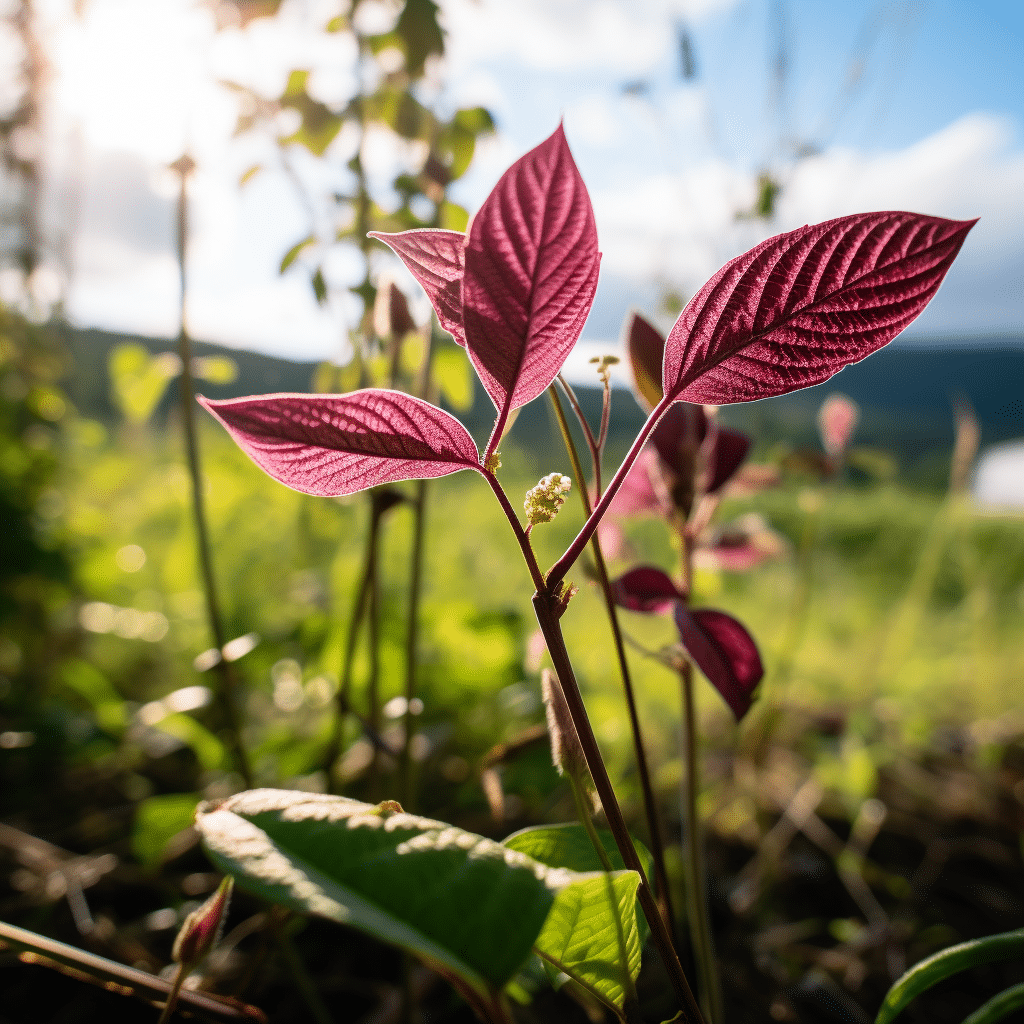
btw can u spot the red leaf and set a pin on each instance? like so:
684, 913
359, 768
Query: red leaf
339, 444
800, 306
724, 651
645, 589
646, 348
531, 273
730, 449
436, 258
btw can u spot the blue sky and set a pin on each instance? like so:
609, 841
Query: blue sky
933, 123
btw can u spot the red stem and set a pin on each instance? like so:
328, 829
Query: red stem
557, 572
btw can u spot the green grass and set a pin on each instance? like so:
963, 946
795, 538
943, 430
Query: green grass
902, 608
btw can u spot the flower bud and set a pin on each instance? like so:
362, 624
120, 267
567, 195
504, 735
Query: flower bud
543, 501
201, 930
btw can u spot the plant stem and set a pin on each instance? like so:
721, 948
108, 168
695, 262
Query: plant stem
517, 529
172, 996
405, 772
696, 896
557, 572
227, 683
344, 696
419, 511
47, 952
303, 982
595, 448
650, 805
544, 606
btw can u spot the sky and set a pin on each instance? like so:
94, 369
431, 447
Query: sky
907, 104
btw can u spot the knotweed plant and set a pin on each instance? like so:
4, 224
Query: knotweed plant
514, 292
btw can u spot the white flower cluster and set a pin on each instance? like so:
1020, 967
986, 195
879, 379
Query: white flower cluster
543, 501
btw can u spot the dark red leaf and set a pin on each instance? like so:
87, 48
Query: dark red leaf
800, 306
531, 273
727, 455
645, 589
678, 436
340, 444
436, 258
724, 651
646, 348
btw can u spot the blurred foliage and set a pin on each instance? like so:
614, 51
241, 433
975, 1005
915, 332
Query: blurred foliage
908, 647
432, 147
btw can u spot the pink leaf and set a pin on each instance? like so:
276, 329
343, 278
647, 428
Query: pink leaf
638, 495
724, 651
339, 444
436, 258
800, 306
531, 273
837, 420
645, 589
646, 348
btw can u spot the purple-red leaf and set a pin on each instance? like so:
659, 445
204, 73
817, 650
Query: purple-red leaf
797, 308
436, 258
727, 455
339, 444
646, 348
645, 589
678, 436
530, 277
724, 651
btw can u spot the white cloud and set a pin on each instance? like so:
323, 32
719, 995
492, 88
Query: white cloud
614, 35
680, 228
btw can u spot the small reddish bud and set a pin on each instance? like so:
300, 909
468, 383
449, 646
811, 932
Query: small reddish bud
201, 930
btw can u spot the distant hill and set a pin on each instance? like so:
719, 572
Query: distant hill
906, 393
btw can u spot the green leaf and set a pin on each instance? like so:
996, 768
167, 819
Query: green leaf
158, 819
418, 27
463, 902
581, 938
139, 380
454, 377
592, 944
249, 173
569, 846
215, 369
934, 969
452, 217
208, 749
295, 251
319, 286
998, 1006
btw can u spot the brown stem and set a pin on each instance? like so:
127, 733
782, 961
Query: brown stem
592, 444
517, 529
696, 889
650, 804
547, 618
227, 688
47, 952
343, 699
